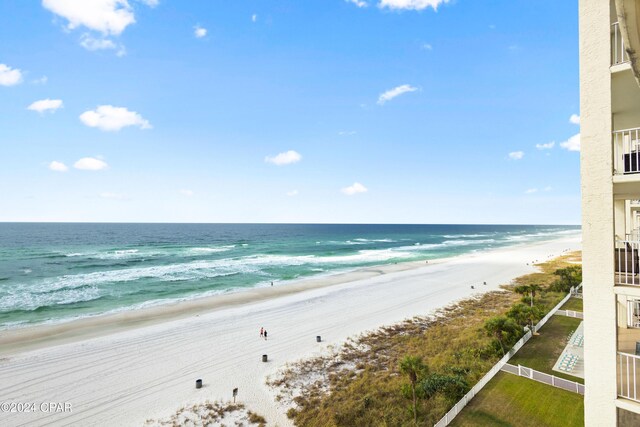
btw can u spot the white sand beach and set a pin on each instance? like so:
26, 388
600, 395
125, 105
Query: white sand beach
127, 368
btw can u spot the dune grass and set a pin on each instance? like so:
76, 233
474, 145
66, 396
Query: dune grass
210, 414
509, 400
542, 351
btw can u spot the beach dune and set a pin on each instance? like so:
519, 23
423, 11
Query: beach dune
145, 367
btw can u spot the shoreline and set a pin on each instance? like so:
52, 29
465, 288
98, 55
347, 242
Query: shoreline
33, 337
127, 376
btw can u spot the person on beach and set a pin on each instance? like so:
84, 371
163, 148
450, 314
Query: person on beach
265, 334
261, 332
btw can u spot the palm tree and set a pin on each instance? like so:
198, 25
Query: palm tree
532, 290
523, 289
532, 314
519, 313
503, 329
413, 366
528, 289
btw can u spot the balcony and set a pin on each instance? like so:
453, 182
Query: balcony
618, 52
628, 376
627, 263
626, 149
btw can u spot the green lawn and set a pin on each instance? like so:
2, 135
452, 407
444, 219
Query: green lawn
509, 400
542, 351
574, 304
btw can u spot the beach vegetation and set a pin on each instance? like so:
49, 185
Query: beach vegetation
529, 292
414, 368
525, 315
453, 386
568, 277
209, 414
504, 330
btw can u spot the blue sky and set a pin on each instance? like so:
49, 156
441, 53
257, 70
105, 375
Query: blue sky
372, 111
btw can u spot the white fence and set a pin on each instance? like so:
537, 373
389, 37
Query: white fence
626, 148
628, 368
551, 380
618, 53
457, 408
544, 320
570, 313
449, 416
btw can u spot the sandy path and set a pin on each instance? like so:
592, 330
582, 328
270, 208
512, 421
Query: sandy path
126, 377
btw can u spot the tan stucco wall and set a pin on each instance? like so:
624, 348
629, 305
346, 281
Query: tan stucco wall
597, 214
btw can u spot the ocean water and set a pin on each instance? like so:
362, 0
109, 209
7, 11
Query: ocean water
57, 272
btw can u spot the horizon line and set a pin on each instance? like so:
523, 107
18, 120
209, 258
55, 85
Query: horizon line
277, 223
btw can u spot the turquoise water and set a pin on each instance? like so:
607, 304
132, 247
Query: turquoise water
54, 272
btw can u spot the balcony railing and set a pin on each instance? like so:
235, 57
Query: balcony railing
618, 53
627, 262
626, 148
628, 381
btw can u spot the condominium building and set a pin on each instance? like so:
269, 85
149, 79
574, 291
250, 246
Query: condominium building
610, 168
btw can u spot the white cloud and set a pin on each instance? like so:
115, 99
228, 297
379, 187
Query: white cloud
572, 144
286, 158
45, 105
110, 118
547, 146
547, 188
9, 76
516, 155
199, 31
396, 91
427, 46
347, 132
90, 43
42, 80
58, 166
359, 3
575, 119
105, 16
113, 196
90, 164
292, 193
531, 191
254, 18
354, 189
187, 193
411, 4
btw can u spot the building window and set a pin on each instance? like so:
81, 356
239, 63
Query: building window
633, 314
